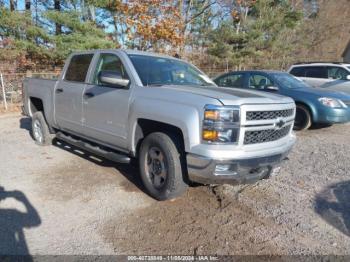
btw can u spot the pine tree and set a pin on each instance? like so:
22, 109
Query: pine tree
50, 36
254, 32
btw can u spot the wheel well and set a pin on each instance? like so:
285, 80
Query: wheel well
145, 127
36, 104
308, 108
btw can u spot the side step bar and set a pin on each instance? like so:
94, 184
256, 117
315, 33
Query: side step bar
110, 155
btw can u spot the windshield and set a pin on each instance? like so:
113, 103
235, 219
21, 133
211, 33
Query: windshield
288, 81
166, 71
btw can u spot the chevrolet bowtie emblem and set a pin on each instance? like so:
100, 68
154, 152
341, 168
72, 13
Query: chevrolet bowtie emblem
280, 123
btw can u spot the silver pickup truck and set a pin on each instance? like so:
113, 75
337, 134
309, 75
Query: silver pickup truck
182, 128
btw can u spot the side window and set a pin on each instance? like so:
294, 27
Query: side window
111, 63
257, 81
78, 68
338, 73
298, 71
236, 80
316, 72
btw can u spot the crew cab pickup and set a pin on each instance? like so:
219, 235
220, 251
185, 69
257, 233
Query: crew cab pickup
182, 128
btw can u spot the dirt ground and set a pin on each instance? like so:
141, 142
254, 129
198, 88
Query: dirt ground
59, 200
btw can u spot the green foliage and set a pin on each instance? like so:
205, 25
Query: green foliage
77, 35
230, 33
21, 37
257, 36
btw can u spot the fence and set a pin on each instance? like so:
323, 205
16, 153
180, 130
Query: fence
11, 86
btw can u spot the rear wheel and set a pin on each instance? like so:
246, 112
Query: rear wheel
303, 118
161, 167
40, 130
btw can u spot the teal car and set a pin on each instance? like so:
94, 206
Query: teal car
314, 105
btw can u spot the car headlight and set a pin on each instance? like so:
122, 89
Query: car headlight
221, 124
332, 102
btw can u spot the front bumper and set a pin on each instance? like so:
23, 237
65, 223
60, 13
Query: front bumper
238, 171
333, 115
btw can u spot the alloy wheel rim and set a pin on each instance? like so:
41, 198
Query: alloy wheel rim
37, 131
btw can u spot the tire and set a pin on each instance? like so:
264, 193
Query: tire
161, 166
303, 119
40, 130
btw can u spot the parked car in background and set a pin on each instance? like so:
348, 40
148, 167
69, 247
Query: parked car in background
314, 105
333, 76
182, 128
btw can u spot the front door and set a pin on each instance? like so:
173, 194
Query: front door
69, 92
260, 82
106, 107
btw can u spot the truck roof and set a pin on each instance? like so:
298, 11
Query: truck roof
127, 51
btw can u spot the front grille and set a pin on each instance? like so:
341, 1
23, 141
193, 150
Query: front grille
267, 115
268, 135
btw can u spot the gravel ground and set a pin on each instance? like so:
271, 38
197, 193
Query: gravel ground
59, 200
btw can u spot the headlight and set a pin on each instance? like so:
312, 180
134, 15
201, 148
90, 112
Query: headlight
220, 124
332, 102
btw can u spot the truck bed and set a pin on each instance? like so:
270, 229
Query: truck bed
42, 89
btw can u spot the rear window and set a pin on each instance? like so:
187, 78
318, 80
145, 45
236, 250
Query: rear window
316, 72
298, 71
78, 68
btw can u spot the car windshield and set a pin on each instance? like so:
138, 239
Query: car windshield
288, 81
166, 71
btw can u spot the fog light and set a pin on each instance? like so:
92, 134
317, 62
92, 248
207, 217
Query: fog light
222, 168
210, 135
275, 171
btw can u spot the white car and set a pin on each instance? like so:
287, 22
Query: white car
333, 76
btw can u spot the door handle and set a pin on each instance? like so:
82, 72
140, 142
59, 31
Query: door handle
59, 90
88, 95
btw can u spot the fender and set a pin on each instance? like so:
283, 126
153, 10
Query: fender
312, 108
185, 117
42, 89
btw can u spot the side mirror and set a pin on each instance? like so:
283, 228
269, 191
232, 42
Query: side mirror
348, 77
112, 78
272, 88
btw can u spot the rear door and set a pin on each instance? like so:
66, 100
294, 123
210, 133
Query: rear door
316, 75
338, 79
106, 107
69, 92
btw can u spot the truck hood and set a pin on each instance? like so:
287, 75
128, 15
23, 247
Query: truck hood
232, 96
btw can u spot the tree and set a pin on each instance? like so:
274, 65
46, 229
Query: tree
41, 40
254, 32
57, 4
13, 5
148, 24
197, 17
27, 5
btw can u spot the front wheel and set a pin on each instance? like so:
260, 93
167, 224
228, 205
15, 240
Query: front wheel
303, 118
161, 167
40, 130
